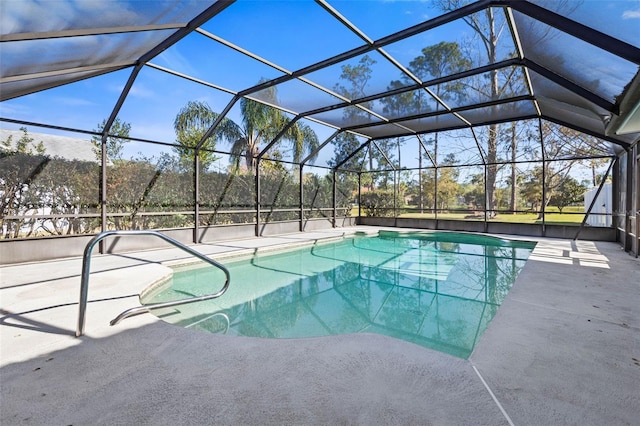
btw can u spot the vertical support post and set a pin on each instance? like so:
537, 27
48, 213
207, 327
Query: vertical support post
196, 196
258, 197
105, 132
435, 194
334, 198
628, 208
395, 194
301, 191
615, 199
103, 190
420, 196
359, 194
543, 207
436, 162
487, 202
636, 173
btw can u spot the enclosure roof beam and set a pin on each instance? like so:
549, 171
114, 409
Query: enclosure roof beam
400, 90
344, 21
384, 155
95, 70
623, 144
217, 122
571, 86
583, 32
464, 126
434, 114
53, 73
475, 138
501, 163
178, 35
353, 154
50, 126
279, 136
319, 148
79, 32
518, 44
241, 50
123, 96
202, 18
400, 35
421, 142
190, 78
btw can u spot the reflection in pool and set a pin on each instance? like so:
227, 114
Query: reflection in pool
435, 289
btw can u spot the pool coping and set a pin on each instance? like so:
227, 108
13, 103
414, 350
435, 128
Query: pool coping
526, 365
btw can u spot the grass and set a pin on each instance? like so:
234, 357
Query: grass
570, 216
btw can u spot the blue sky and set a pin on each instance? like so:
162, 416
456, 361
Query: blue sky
291, 34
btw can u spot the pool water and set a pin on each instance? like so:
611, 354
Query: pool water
436, 289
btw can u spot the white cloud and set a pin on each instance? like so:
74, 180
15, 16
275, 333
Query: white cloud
631, 14
173, 59
140, 91
14, 110
69, 101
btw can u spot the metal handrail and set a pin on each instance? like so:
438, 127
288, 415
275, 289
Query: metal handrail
86, 264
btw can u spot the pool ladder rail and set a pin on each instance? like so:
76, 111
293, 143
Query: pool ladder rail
86, 266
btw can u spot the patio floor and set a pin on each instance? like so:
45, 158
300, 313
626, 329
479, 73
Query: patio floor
563, 349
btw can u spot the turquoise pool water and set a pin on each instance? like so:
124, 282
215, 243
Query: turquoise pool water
435, 289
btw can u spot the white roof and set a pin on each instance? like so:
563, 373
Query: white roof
55, 145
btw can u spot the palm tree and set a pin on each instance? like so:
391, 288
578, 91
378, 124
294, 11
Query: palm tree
191, 124
261, 123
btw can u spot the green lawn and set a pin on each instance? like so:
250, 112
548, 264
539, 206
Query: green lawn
569, 216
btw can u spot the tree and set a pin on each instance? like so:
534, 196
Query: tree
396, 106
439, 60
261, 123
513, 199
191, 124
21, 164
569, 191
447, 181
380, 202
561, 147
443, 183
354, 82
487, 27
473, 191
65, 191
118, 136
448, 187
24, 145
436, 61
531, 189
33, 184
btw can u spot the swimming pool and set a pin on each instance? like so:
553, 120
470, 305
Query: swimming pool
436, 289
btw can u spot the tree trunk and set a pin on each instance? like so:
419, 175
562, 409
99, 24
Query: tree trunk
492, 168
492, 143
435, 175
546, 190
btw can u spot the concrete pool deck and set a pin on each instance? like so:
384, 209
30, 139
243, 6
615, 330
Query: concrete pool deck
564, 348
